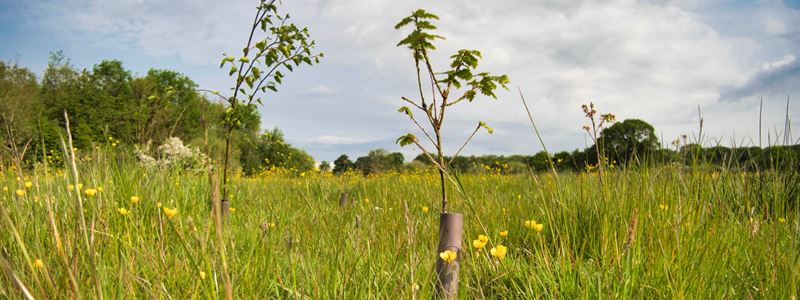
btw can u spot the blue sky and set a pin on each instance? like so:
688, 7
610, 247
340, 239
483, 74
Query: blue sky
654, 60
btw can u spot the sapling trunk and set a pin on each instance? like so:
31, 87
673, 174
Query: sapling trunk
462, 74
451, 227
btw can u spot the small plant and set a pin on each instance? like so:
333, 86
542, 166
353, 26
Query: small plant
595, 130
444, 86
460, 82
261, 66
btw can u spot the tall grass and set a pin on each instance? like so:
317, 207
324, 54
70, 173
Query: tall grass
698, 234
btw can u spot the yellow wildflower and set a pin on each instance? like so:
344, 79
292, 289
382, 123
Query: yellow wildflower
170, 212
504, 233
782, 220
70, 187
202, 275
80, 186
232, 209
134, 199
448, 256
366, 200
531, 224
499, 251
425, 209
38, 263
20, 193
28, 184
158, 205
5, 189
123, 211
99, 189
271, 225
90, 193
484, 239
478, 244
663, 207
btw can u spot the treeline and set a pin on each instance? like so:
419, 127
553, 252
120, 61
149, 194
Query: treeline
108, 106
629, 143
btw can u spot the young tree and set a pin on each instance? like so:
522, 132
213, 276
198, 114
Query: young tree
458, 83
444, 86
282, 47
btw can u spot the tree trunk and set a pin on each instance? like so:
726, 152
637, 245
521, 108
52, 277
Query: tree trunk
451, 226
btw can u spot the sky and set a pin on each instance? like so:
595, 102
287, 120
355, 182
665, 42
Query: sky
654, 60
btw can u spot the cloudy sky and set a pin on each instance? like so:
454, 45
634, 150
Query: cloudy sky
653, 60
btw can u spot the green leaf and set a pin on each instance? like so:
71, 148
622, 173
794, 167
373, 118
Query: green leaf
244, 59
407, 111
488, 129
406, 140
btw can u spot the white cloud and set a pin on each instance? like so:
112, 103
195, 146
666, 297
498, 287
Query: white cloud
648, 60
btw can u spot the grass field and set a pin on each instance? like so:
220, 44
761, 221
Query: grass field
665, 232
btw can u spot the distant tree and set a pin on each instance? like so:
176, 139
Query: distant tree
379, 160
271, 150
20, 110
628, 140
324, 167
342, 164
167, 105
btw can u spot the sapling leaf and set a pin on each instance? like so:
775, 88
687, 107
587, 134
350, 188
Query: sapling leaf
406, 140
488, 129
407, 111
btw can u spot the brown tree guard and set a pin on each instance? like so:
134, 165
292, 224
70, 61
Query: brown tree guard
451, 226
343, 200
225, 207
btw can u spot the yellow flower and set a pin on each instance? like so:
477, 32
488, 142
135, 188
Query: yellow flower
134, 199
158, 205
499, 251
70, 187
170, 212
202, 275
425, 209
123, 211
782, 220
38, 264
531, 224
99, 189
28, 184
80, 186
504, 233
366, 200
5, 189
448, 256
478, 244
663, 207
271, 225
20, 193
90, 193
484, 239
232, 209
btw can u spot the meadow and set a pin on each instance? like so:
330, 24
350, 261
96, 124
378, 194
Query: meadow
662, 232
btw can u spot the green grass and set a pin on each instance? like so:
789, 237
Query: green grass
704, 245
